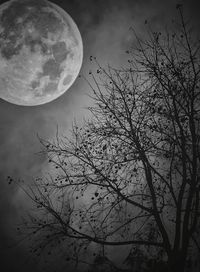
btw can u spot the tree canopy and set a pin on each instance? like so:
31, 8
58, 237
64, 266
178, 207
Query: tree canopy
130, 175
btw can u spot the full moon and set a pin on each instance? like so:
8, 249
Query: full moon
41, 51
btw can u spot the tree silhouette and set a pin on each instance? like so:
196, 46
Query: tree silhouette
130, 175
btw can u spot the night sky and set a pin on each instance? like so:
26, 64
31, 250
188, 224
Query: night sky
104, 26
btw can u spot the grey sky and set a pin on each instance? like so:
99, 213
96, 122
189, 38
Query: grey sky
104, 26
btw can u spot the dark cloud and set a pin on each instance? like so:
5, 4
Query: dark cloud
13, 255
104, 25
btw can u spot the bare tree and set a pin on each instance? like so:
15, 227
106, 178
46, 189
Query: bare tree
130, 175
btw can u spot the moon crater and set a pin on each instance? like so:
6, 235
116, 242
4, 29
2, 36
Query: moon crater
41, 52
